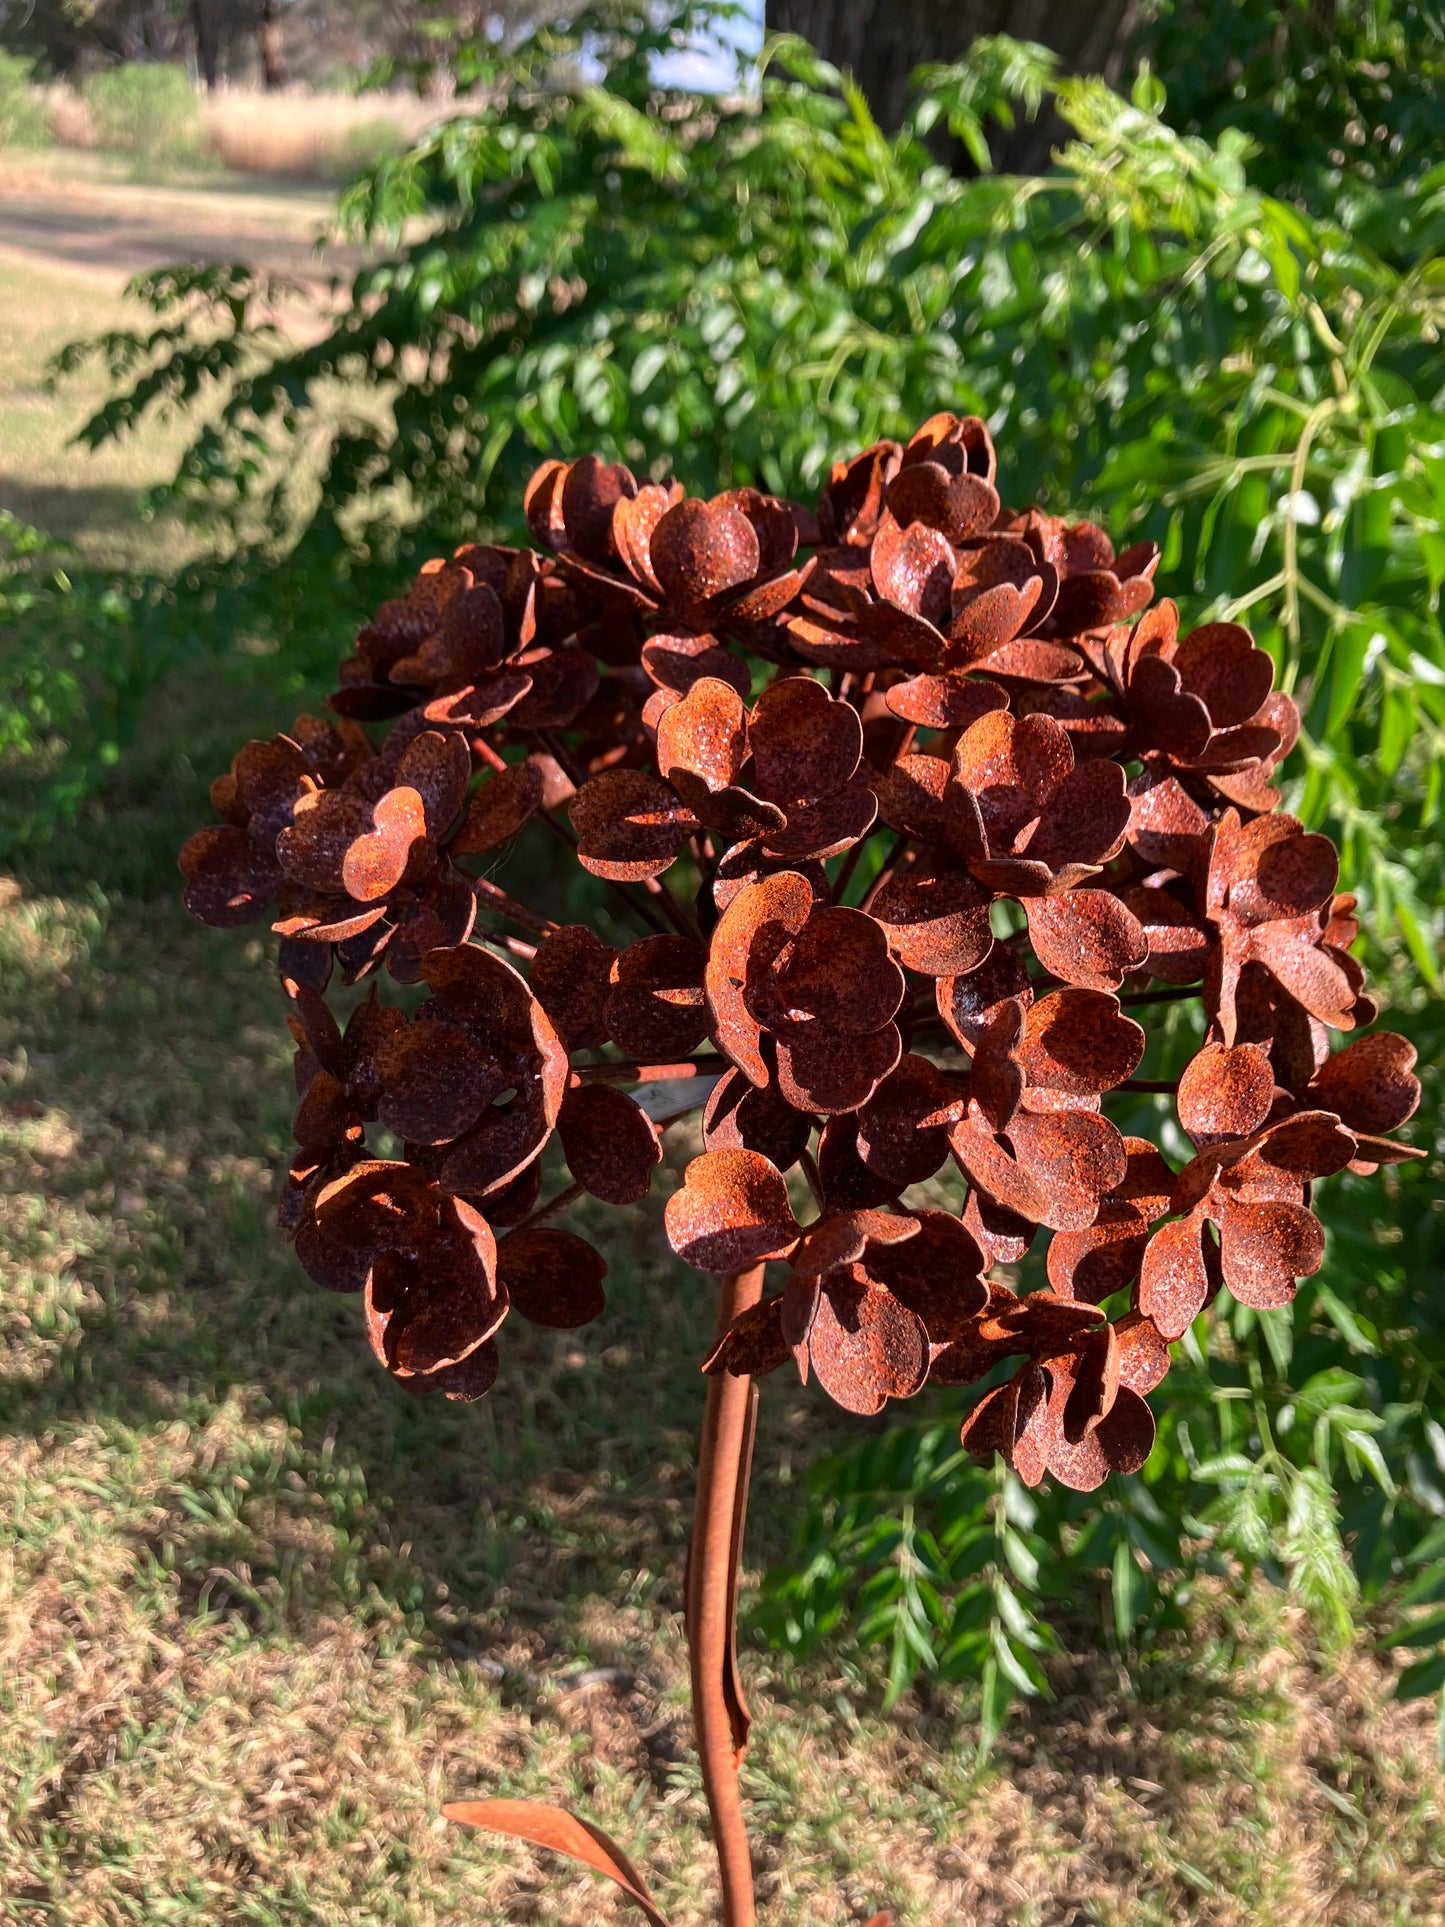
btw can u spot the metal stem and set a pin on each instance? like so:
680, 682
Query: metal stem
720, 1716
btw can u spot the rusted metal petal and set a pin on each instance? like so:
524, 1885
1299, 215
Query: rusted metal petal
552, 1277
1148, 1182
910, 796
967, 1002
1079, 1043
1084, 820
1000, 586
825, 1070
834, 823
1143, 1354
376, 860
704, 736
757, 924
629, 825
1318, 978
633, 523
563, 682
1042, 1323
1121, 1442
914, 568
951, 700
1093, 1263
1220, 665
1174, 1280
1029, 662
1166, 826
1018, 1422
590, 492
1178, 942
937, 1273
230, 880
1086, 937
1074, 1157
1311, 1144
852, 501
839, 972
903, 1127
936, 921
1370, 1084
753, 1344
1265, 1248
468, 1380
1011, 766
959, 505
501, 807
996, 1081
804, 743
840, 1238
612, 1147
1225, 1093
699, 552
1001, 1235
480, 704
865, 1346
848, 1184
731, 1212
434, 1082
986, 1164
432, 1311
1096, 1384
438, 767
740, 1117
571, 977
561, 1832
656, 1009
676, 662
1281, 871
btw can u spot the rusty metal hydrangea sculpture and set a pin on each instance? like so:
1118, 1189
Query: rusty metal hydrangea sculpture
912, 802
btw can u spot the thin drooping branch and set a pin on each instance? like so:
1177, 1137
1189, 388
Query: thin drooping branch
720, 1714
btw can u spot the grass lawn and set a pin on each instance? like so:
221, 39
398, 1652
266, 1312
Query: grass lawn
260, 1612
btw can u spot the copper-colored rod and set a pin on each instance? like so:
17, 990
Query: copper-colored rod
495, 899
550, 1207
647, 1073
713, 1559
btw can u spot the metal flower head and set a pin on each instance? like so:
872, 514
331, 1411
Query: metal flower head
895, 820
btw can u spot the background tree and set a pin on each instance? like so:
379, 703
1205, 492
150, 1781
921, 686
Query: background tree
883, 41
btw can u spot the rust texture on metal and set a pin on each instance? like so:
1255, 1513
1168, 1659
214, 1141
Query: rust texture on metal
906, 812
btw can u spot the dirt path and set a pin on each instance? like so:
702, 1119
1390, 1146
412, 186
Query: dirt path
117, 229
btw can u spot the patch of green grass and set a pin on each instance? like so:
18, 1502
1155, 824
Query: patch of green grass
88, 500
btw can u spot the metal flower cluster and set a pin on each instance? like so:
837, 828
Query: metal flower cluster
914, 806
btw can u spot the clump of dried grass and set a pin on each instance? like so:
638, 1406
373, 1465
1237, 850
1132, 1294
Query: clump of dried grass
293, 135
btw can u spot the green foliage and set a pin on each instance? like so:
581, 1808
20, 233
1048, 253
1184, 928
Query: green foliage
147, 110
1218, 339
741, 289
23, 122
1343, 99
68, 670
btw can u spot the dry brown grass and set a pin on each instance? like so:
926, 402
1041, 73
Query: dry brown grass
295, 134
260, 1613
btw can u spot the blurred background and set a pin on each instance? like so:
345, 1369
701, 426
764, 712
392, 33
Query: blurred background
295, 294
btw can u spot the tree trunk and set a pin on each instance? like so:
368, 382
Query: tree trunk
203, 28
882, 41
268, 39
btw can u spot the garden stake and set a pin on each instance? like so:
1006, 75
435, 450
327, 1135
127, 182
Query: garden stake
1021, 741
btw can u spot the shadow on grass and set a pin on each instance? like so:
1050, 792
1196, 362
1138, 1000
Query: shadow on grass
151, 1116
